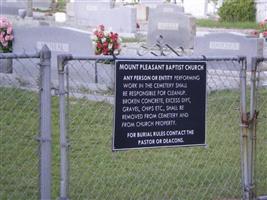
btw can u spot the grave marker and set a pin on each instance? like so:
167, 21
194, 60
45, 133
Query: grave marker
177, 28
60, 41
228, 44
11, 7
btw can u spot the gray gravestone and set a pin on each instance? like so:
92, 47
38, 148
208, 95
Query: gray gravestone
151, 3
59, 41
121, 19
177, 28
83, 6
228, 45
11, 7
169, 8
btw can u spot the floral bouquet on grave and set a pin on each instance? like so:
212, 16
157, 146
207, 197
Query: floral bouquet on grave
106, 43
263, 28
6, 35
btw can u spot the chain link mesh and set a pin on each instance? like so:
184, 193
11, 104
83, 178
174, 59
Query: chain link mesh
261, 141
98, 173
191, 173
19, 127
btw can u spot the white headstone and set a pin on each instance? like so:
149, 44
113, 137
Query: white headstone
228, 45
197, 8
177, 28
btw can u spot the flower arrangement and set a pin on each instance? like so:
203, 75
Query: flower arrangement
106, 43
263, 28
6, 35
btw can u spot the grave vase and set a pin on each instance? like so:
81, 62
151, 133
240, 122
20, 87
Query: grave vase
6, 66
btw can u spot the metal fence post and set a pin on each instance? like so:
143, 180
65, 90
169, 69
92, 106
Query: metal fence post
63, 133
244, 131
252, 129
45, 124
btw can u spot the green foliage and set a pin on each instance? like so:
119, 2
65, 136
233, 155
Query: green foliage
61, 5
237, 11
223, 24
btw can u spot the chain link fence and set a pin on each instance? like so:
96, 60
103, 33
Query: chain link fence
24, 111
93, 171
84, 105
261, 133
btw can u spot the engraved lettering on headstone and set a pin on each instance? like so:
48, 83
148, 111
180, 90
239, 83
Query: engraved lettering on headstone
168, 26
54, 46
224, 45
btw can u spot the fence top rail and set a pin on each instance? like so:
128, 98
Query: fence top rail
20, 55
68, 57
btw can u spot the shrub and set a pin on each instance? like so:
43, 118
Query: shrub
237, 11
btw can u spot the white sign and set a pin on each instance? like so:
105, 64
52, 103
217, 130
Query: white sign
224, 45
54, 46
168, 26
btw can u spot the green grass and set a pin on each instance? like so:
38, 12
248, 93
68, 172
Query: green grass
230, 25
194, 173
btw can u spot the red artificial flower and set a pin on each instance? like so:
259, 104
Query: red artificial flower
99, 45
113, 37
105, 44
264, 34
255, 33
105, 51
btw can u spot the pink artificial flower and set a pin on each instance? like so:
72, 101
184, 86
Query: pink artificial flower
11, 37
100, 35
7, 38
264, 34
9, 29
5, 43
101, 27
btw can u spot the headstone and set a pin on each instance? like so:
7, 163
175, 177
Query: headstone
228, 45
11, 7
59, 40
196, 8
151, 3
91, 5
142, 12
70, 9
122, 19
177, 28
169, 8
